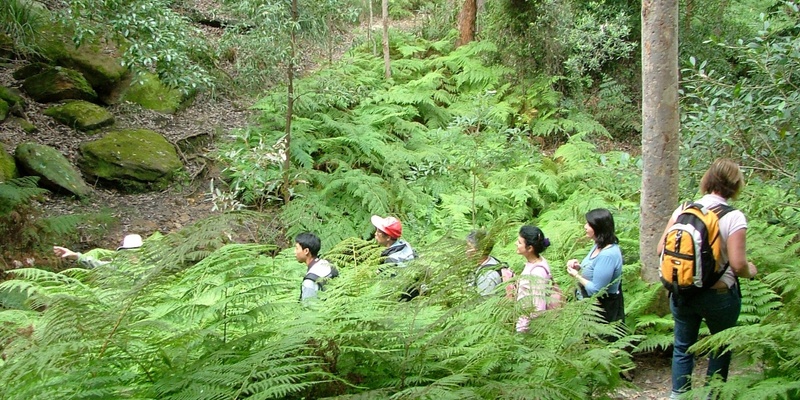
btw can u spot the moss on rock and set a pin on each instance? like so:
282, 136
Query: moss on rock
3, 110
136, 159
55, 170
57, 84
81, 115
8, 168
150, 93
12, 97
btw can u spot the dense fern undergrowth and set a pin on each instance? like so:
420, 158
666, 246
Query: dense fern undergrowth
445, 146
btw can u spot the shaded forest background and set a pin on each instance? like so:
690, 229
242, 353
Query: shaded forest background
534, 119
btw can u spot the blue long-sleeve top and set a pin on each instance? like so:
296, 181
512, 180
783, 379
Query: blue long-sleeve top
602, 269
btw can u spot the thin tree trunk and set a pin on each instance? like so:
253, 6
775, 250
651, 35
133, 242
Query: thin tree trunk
660, 127
387, 68
287, 160
466, 22
370, 39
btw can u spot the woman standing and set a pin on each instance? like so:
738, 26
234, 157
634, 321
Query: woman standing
720, 305
602, 267
532, 293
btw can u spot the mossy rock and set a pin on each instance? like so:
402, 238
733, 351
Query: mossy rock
81, 115
135, 159
12, 97
57, 84
52, 167
30, 70
25, 125
148, 91
98, 62
8, 167
6, 47
3, 110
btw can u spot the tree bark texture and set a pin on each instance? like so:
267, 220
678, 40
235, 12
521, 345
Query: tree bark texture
660, 125
387, 67
466, 22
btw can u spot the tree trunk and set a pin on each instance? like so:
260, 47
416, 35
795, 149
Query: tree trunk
387, 68
660, 125
370, 39
287, 159
466, 22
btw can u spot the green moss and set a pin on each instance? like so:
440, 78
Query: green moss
26, 125
13, 99
3, 110
8, 168
150, 93
58, 84
138, 159
81, 115
54, 169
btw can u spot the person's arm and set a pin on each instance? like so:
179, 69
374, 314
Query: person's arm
737, 256
308, 289
604, 267
82, 259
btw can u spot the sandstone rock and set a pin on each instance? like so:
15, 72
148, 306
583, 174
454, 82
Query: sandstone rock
29, 70
12, 97
100, 65
8, 167
3, 110
52, 167
56, 84
135, 159
81, 115
148, 91
26, 125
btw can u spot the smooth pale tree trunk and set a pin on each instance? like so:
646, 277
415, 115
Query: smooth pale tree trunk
466, 22
660, 124
287, 160
387, 68
369, 30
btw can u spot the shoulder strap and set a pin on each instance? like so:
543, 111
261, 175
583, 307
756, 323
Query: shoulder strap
721, 209
549, 275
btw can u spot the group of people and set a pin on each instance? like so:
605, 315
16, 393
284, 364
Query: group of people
598, 274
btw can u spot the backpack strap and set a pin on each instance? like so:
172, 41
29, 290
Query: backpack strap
721, 209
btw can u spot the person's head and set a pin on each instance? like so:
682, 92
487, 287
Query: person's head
132, 241
306, 247
723, 178
479, 244
387, 230
600, 227
531, 240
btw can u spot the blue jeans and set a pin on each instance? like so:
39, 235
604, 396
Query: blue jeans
720, 310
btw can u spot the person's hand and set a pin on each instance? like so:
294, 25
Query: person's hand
572, 272
64, 252
751, 268
574, 264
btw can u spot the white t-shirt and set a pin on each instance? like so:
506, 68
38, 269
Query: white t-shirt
728, 224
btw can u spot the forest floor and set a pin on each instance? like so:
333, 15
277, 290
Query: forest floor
188, 202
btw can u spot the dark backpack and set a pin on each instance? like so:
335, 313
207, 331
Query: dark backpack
691, 260
321, 280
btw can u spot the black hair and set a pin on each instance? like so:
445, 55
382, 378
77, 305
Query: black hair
310, 241
481, 241
533, 236
602, 222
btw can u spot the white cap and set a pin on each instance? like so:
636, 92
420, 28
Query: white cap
131, 242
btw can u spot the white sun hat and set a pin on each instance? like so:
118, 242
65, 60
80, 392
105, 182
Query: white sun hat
132, 241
